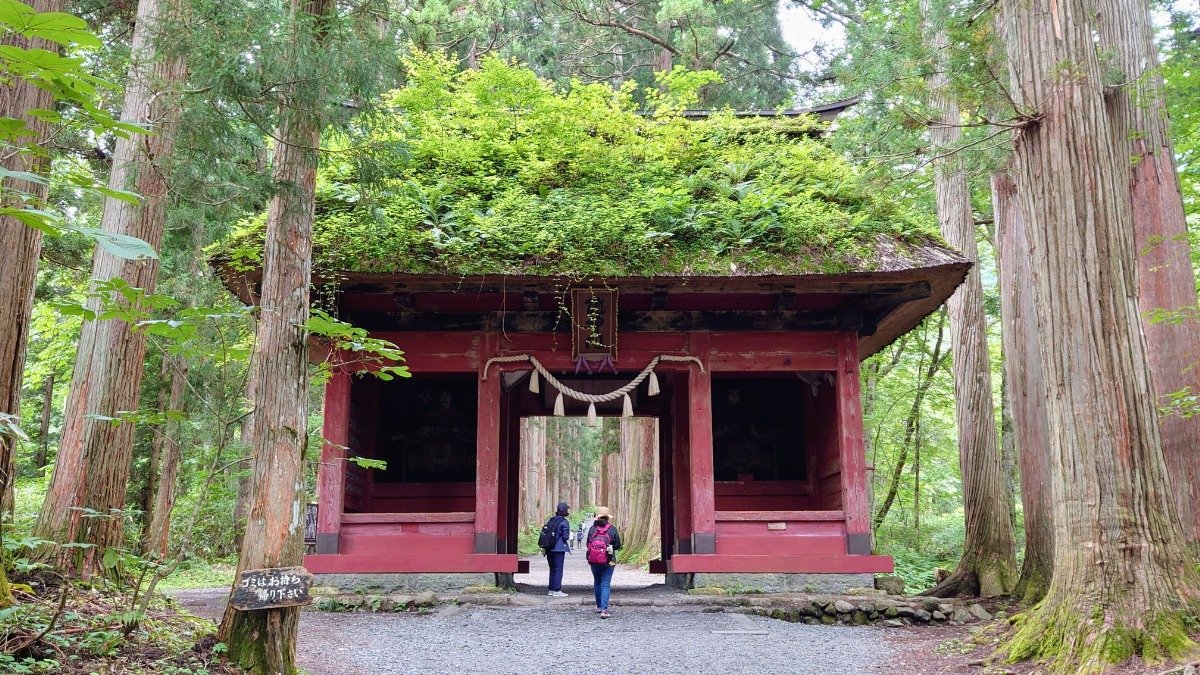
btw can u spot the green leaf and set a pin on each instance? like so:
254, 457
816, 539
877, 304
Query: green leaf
123, 195
16, 14
120, 245
63, 29
110, 558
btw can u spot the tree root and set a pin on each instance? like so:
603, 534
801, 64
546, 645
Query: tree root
1079, 640
961, 582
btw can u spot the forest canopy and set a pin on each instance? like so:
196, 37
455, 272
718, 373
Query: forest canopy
497, 170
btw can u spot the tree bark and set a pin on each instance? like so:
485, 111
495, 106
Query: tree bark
18, 265
264, 641
21, 245
1123, 579
988, 565
158, 533
1137, 111
157, 439
241, 507
1027, 390
39, 460
95, 455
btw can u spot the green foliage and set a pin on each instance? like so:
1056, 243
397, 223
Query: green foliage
498, 171
77, 95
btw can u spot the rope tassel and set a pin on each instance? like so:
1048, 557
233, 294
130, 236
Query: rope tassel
591, 420
652, 388
534, 387
627, 411
558, 406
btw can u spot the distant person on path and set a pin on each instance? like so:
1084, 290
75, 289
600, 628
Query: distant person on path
583, 527
555, 541
603, 542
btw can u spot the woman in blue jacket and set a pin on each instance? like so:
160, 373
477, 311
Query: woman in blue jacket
557, 554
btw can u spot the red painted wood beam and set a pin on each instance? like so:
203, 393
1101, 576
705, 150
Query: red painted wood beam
453, 517
372, 563
762, 516
851, 448
681, 477
783, 564
487, 451
331, 472
700, 450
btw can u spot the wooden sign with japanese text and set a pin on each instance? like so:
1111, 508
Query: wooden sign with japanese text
593, 323
272, 587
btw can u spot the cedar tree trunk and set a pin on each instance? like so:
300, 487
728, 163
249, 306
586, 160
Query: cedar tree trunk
95, 455
988, 565
1027, 390
1138, 115
158, 532
264, 641
39, 460
1123, 578
21, 246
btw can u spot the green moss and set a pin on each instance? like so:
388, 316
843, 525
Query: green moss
495, 171
1072, 641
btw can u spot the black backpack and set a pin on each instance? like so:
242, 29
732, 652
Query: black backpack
549, 535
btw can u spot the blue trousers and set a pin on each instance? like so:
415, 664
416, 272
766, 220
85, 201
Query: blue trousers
556, 560
602, 583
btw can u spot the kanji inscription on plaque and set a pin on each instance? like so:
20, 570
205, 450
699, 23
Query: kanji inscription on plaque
272, 587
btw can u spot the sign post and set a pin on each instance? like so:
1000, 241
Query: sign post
271, 588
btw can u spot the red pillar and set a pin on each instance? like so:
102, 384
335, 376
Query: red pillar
331, 472
700, 451
851, 447
487, 450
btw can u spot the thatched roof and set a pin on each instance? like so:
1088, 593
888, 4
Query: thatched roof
496, 174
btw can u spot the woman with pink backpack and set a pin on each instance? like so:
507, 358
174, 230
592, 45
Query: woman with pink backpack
603, 541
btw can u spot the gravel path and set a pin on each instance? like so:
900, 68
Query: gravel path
515, 639
637, 640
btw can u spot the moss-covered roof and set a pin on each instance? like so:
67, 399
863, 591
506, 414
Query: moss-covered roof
495, 171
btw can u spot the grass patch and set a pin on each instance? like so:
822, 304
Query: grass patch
199, 574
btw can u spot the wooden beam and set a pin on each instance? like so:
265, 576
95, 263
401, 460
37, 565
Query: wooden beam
852, 449
331, 472
487, 449
700, 450
781, 564
627, 321
370, 563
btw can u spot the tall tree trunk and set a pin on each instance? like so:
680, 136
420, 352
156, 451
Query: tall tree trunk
94, 456
264, 641
988, 565
1027, 389
158, 533
1123, 579
1138, 114
21, 245
241, 506
912, 423
157, 439
39, 460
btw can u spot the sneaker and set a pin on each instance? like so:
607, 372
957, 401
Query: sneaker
558, 594
598, 610
604, 614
